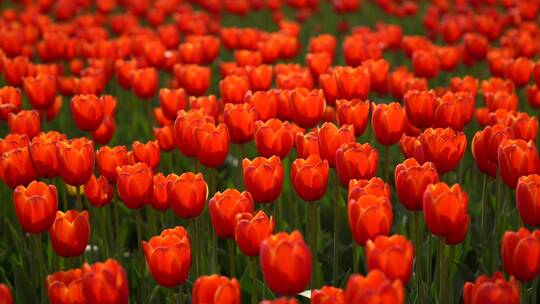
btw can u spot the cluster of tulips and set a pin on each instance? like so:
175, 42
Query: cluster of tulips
204, 163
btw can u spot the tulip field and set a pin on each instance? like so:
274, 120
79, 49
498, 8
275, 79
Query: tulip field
269, 151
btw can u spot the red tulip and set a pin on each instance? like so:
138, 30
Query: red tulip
331, 139
25, 122
240, 121
369, 216
356, 161
165, 137
5, 295
184, 126
214, 289
528, 198
147, 153
187, 194
44, 153
212, 144
374, 288
144, 82
76, 160
108, 159
354, 112
35, 206
420, 107
233, 88
307, 144
491, 290
273, 137
160, 198
224, 207
392, 255
263, 103
327, 295
172, 101
307, 107
16, 167
105, 282
98, 191
10, 101
520, 253
517, 158
411, 180
40, 90
135, 185
70, 233
87, 111
263, 178
65, 287
388, 122
251, 230
168, 256
443, 147
285, 261
374, 186
310, 177
425, 63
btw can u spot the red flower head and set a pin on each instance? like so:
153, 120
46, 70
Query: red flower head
528, 199
187, 194
105, 282
165, 137
147, 153
233, 88
135, 185
443, 147
76, 160
331, 139
5, 294
392, 255
108, 159
327, 295
168, 256
251, 230
44, 153
184, 126
445, 211
264, 103
420, 107
35, 206
517, 158
160, 198
25, 122
369, 216
354, 112
307, 144
274, 137
263, 178
425, 63
285, 261
171, 101
356, 161
374, 186
486, 290
374, 288
215, 289
40, 90
307, 107
411, 180
520, 253
70, 233
98, 191
144, 82
16, 167
240, 120
10, 101
87, 111
212, 144
224, 207
310, 177
388, 121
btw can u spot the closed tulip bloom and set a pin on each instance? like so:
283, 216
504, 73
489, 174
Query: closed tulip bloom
378, 74
135, 185
5, 294
533, 95
420, 107
528, 199
215, 289
274, 137
310, 177
445, 212
193, 78
35, 206
375, 287
108, 159
480, 154
425, 63
209, 104
331, 139
392, 255
160, 198
523, 126
327, 295
285, 261
13, 141
491, 290
10, 101
352, 82
501, 100
263, 178
165, 137
369, 216
264, 103
65, 286
144, 82
104, 283
307, 144
443, 147
233, 88
147, 153
356, 161
168, 256
260, 77
184, 126
16, 167
44, 153
388, 121
251, 230
281, 300
104, 133
171, 101
318, 63
411, 180
98, 191
70, 233
87, 111
374, 186
212, 144
187, 194
76, 160
40, 90
25, 122
517, 158
307, 107
452, 111
354, 112
519, 70
224, 207
520, 254
240, 120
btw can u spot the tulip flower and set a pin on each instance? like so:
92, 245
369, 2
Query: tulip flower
356, 161
251, 230
420, 107
44, 153
281, 300
193, 78
160, 198
108, 159
135, 185
369, 216
281, 277
76, 160
109, 276
214, 289
147, 153
392, 255
40, 90
263, 178
307, 107
65, 286
70, 233
209, 104
16, 167
35, 206
240, 121
264, 104
224, 207
523, 126
172, 101
144, 82
274, 137
233, 88
331, 139
5, 294
87, 111
520, 254
187, 194
307, 144
491, 290
25, 122
98, 191
411, 180
165, 138
10, 101
517, 158
260, 77
528, 199
374, 186
375, 286
212, 144
354, 112
443, 147
184, 126
168, 256
310, 177
328, 295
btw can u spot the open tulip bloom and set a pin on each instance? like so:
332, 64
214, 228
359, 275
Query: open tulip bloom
268, 151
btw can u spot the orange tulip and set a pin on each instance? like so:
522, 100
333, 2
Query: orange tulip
70, 233
105, 282
5, 294
160, 198
13, 141
318, 63
168, 256
523, 126
184, 126
76, 160
307, 107
392, 255
533, 96
354, 112
187, 194
214, 289
240, 121
224, 207
528, 198
172, 101
209, 104
233, 88
374, 288
327, 295
135, 185
108, 159
519, 70
369, 216
25, 122
263, 103
65, 286
378, 74
331, 139
251, 230
40, 90
356, 161
144, 82
165, 138
374, 186
425, 63
87, 111
35, 206
193, 78
475, 45
411, 180
212, 144
445, 212
147, 153
443, 147
310, 177
517, 158
307, 144
273, 137
16, 167
420, 107
501, 100
263, 178
44, 153
520, 254
491, 290
16, 69
98, 191
388, 122
281, 277
10, 101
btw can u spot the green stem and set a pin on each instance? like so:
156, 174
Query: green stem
522, 293
79, 198
387, 164
496, 217
181, 293
42, 270
232, 257
483, 220
418, 262
442, 271
335, 254
116, 206
253, 270
139, 223
194, 236
535, 291
214, 252
429, 277
104, 235
313, 240
355, 256
172, 296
